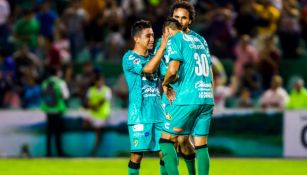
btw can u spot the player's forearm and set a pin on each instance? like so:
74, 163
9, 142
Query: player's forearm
172, 73
152, 65
169, 80
170, 77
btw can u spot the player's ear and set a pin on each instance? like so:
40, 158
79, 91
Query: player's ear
136, 39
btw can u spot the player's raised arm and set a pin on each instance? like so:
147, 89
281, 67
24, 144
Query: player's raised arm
171, 74
151, 66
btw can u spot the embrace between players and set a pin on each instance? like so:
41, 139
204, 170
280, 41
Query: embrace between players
181, 61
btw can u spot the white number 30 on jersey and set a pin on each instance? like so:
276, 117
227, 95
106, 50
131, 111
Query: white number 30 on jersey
202, 67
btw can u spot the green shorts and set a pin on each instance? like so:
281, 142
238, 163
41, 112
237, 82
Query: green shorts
145, 137
188, 120
166, 107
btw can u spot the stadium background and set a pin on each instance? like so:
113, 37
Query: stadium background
86, 37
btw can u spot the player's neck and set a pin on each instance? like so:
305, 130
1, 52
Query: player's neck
140, 51
187, 30
174, 32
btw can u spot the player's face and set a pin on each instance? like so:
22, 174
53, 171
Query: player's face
146, 39
182, 15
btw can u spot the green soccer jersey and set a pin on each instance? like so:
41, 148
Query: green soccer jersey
163, 69
144, 95
194, 85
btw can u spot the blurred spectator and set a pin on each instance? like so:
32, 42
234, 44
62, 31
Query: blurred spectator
7, 75
6, 85
70, 79
27, 64
8, 66
289, 31
85, 79
245, 23
121, 90
4, 28
47, 19
268, 17
268, 64
221, 38
245, 100
96, 28
26, 31
99, 103
11, 99
303, 23
218, 70
93, 7
138, 5
298, 96
245, 53
74, 19
132, 10
303, 3
277, 3
32, 94
53, 55
222, 92
251, 81
54, 93
275, 97
62, 44
114, 42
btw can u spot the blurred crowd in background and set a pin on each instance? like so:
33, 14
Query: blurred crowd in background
79, 36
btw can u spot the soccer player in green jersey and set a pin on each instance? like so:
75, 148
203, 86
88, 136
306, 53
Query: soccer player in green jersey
192, 100
184, 13
145, 113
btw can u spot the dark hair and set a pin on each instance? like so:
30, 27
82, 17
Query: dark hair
53, 71
138, 26
172, 23
185, 5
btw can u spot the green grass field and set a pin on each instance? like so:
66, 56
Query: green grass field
150, 166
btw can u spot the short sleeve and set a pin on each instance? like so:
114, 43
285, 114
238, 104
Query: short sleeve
173, 50
134, 64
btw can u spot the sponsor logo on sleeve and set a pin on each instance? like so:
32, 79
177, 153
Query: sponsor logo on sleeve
138, 127
131, 57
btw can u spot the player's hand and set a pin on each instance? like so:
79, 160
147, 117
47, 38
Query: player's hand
170, 93
164, 40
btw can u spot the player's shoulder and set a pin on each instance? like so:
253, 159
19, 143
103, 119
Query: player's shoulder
129, 55
176, 37
193, 33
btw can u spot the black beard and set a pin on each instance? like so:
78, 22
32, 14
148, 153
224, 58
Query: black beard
185, 29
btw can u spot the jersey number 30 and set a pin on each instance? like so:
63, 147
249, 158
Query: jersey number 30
202, 67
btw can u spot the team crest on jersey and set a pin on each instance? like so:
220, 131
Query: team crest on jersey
131, 57
136, 61
135, 142
168, 117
